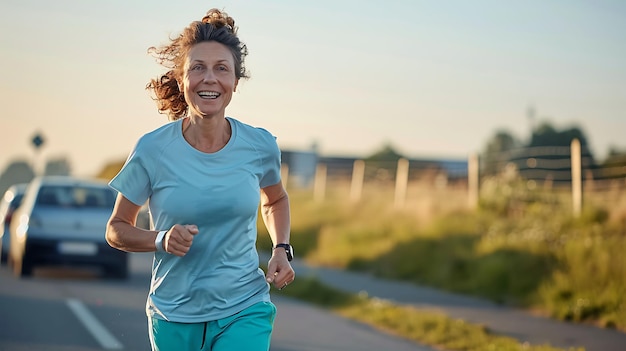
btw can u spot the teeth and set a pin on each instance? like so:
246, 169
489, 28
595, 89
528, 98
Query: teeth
209, 94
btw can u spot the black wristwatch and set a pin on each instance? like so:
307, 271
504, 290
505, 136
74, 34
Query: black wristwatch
288, 249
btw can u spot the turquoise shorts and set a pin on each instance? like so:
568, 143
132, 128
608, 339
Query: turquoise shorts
250, 330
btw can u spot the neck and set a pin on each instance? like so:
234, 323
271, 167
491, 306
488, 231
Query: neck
207, 135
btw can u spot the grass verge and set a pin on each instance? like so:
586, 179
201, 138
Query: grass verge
426, 327
527, 252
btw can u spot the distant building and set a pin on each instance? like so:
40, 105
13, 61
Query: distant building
303, 164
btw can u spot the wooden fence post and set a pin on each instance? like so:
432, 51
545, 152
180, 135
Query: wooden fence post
472, 181
319, 188
402, 180
576, 177
356, 186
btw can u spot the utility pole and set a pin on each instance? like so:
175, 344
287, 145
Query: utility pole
37, 142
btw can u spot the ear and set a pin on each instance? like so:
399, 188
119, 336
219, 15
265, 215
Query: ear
235, 87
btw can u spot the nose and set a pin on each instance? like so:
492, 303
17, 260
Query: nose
209, 76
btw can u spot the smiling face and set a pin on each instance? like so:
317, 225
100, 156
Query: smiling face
209, 79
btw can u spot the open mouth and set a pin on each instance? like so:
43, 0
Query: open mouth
209, 94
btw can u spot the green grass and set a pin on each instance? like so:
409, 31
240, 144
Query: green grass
537, 257
521, 248
423, 326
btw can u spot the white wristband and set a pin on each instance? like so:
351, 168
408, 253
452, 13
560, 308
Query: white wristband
158, 242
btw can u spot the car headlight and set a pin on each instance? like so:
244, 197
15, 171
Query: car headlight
22, 227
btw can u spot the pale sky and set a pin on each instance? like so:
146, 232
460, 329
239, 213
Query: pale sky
433, 78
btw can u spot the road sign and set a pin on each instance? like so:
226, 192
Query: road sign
37, 140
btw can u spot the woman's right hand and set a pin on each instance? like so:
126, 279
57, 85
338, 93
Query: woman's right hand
179, 238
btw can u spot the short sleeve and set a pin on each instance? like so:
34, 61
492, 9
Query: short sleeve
271, 162
133, 180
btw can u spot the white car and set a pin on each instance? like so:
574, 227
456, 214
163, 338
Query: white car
62, 221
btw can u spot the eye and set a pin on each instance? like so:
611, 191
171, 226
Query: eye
196, 67
222, 68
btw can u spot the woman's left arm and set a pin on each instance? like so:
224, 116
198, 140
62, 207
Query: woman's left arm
277, 218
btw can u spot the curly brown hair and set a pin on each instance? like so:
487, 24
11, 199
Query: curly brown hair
216, 26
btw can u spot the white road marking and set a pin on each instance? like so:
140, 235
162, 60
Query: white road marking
97, 330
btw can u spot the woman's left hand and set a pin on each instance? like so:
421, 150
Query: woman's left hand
279, 270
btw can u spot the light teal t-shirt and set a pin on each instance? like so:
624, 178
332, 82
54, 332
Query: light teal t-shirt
220, 193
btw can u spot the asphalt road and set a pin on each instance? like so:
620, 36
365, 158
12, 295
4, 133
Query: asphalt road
76, 310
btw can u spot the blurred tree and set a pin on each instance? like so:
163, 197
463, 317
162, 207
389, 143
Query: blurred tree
382, 164
386, 154
110, 170
504, 148
615, 164
16, 172
495, 155
546, 135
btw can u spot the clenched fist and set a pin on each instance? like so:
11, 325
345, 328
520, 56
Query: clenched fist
179, 238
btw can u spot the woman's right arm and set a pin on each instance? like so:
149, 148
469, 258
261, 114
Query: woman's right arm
121, 232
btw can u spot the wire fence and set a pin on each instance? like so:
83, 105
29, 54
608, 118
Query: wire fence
433, 185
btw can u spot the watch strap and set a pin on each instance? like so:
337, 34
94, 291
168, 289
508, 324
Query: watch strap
158, 242
288, 249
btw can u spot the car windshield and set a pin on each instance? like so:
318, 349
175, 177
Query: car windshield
75, 196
